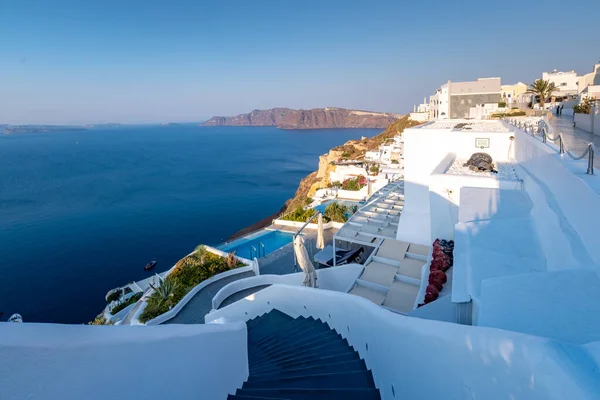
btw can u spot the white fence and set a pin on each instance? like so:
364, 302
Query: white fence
416, 358
340, 278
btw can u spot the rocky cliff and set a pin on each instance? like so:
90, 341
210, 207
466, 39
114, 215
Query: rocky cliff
354, 149
317, 118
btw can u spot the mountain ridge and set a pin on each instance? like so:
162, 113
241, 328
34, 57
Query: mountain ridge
316, 118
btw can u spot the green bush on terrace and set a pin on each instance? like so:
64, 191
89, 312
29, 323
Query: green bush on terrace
300, 214
333, 212
509, 114
188, 272
129, 301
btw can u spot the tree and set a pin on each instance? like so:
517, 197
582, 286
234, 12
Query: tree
543, 89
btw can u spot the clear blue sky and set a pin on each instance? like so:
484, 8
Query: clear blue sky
152, 61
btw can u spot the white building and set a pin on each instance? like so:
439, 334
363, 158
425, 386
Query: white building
566, 82
438, 103
591, 79
455, 99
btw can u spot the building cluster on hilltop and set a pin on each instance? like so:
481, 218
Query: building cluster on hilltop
484, 97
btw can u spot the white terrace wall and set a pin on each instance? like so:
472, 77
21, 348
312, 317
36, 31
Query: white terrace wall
565, 202
73, 362
424, 150
588, 122
414, 358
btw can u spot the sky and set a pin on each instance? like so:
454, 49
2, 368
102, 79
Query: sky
72, 62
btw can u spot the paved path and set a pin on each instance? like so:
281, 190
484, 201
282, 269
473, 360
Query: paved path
201, 304
280, 262
576, 139
241, 294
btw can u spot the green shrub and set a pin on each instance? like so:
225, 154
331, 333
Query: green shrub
100, 320
585, 107
336, 212
354, 183
114, 296
335, 184
133, 299
395, 162
510, 114
308, 201
345, 155
374, 169
299, 215
188, 272
502, 104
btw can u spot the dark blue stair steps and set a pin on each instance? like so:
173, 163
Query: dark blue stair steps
312, 394
319, 351
292, 331
335, 380
302, 358
305, 363
352, 365
295, 342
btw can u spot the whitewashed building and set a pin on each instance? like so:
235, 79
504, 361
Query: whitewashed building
566, 82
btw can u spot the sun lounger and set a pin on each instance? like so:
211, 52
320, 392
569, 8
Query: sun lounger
392, 249
411, 267
401, 297
375, 296
379, 273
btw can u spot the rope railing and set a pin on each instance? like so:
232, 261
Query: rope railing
544, 131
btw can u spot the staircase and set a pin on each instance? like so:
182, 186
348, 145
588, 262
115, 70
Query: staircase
302, 358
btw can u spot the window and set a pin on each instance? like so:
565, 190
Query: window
563, 84
469, 101
462, 102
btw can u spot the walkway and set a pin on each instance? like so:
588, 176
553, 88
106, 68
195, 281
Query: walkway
280, 262
576, 139
201, 304
241, 295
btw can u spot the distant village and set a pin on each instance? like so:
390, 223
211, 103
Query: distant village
486, 98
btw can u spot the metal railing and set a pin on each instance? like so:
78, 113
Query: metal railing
544, 132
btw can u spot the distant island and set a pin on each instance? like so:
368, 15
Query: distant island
16, 129
317, 118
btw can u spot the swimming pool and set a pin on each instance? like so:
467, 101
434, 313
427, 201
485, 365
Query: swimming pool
247, 247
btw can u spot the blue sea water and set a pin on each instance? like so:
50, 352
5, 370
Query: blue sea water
83, 212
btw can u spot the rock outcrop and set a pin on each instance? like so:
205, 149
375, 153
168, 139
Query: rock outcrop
354, 149
317, 118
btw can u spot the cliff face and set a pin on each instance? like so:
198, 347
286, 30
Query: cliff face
353, 149
317, 118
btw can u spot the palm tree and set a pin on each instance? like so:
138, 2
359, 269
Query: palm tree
543, 89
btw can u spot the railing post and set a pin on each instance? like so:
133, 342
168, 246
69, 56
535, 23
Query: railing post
561, 145
543, 134
590, 169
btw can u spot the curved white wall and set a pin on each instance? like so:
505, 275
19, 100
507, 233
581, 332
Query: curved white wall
413, 358
339, 278
51, 361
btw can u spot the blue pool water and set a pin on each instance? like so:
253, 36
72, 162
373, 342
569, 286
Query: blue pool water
245, 247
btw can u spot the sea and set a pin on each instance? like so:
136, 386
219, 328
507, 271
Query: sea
82, 212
